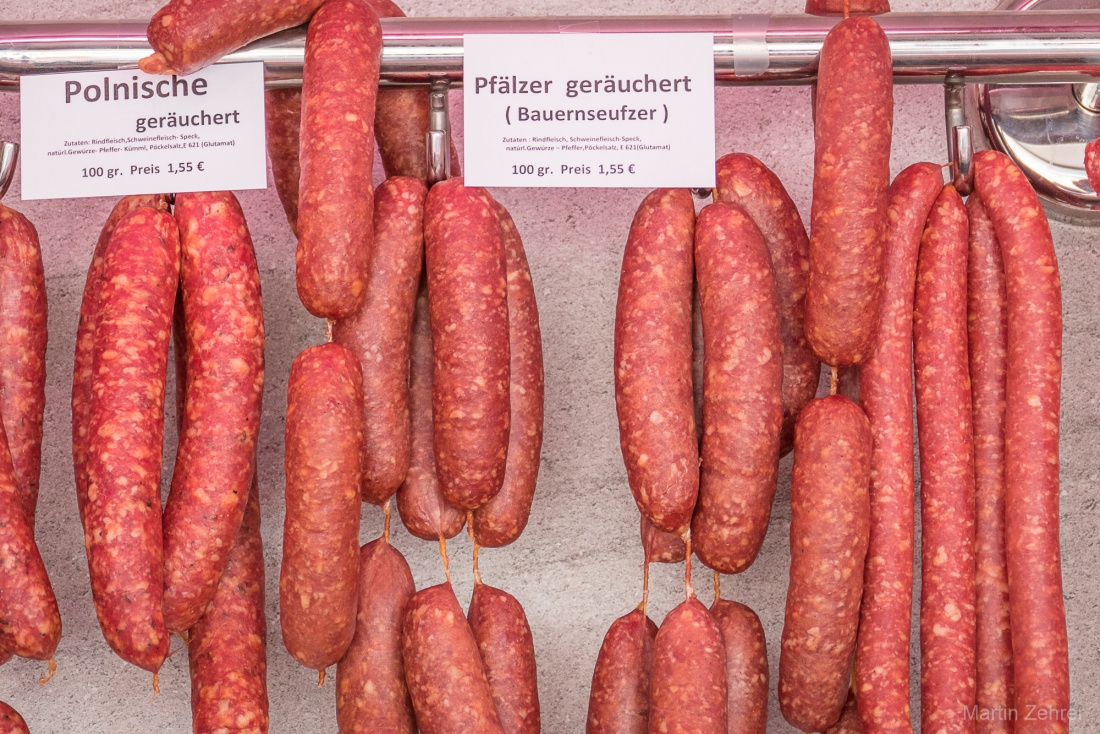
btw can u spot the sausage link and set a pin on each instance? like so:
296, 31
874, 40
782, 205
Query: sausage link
468, 303
886, 395
502, 519
1032, 402
687, 684
747, 182
336, 196
122, 517
324, 442
987, 326
379, 332
742, 387
30, 624
371, 695
5, 656
653, 360
947, 620
425, 511
619, 701
227, 651
187, 35
660, 546
746, 667
849, 722
856, 7
508, 653
224, 336
1092, 164
851, 174
11, 722
85, 340
283, 117
443, 667
22, 351
830, 514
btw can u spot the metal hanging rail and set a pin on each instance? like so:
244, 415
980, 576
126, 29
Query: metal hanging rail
1035, 47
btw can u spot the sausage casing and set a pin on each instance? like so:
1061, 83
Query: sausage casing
619, 701
508, 653
687, 683
746, 667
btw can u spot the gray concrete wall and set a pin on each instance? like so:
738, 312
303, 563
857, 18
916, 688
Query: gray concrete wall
578, 566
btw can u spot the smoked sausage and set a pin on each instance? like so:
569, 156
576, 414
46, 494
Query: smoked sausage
122, 515
947, 619
746, 667
283, 119
380, 331
987, 325
508, 653
468, 304
830, 514
424, 510
227, 651
851, 175
1032, 403
747, 182
187, 35
318, 582
502, 519
85, 340
854, 7
849, 722
22, 351
1092, 164
30, 624
10, 721
660, 546
336, 195
619, 701
653, 360
443, 667
687, 684
371, 695
742, 385
224, 336
886, 395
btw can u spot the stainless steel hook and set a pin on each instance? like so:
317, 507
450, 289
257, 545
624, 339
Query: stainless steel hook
439, 133
9, 154
960, 143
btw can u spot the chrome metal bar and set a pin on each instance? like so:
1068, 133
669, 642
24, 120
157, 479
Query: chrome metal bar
1038, 46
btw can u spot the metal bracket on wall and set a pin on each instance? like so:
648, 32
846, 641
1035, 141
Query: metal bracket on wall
439, 133
9, 154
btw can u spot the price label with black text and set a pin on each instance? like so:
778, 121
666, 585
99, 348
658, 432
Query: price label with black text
127, 132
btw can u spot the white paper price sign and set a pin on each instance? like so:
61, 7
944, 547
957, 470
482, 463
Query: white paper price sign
597, 110
127, 132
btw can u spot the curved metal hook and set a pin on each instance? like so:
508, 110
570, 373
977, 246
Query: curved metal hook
9, 154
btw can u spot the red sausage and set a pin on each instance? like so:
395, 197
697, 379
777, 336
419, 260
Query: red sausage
851, 174
425, 511
224, 324
1092, 164
747, 182
746, 667
122, 516
283, 115
336, 204
22, 350
856, 7
5, 656
742, 387
687, 684
10, 721
324, 442
653, 354
849, 722
502, 519
619, 702
227, 650
987, 326
371, 695
1032, 395
468, 300
947, 619
508, 653
85, 340
443, 667
187, 35
30, 624
829, 525
660, 546
379, 334
886, 394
